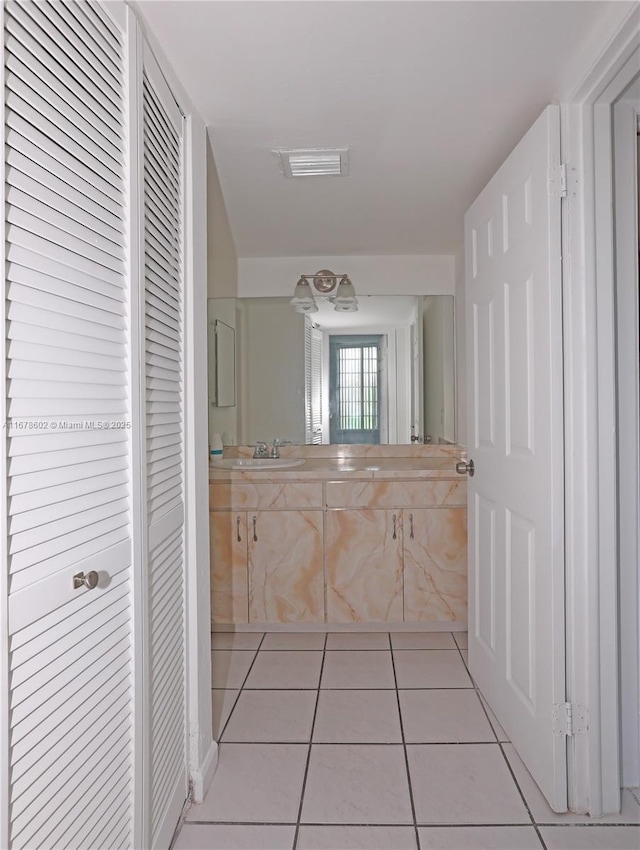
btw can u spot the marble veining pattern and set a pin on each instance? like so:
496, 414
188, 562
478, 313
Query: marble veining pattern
364, 566
389, 494
435, 566
229, 587
275, 493
286, 583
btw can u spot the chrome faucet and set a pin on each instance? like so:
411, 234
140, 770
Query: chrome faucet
275, 449
261, 450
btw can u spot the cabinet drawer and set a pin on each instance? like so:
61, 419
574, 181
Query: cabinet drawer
248, 495
396, 494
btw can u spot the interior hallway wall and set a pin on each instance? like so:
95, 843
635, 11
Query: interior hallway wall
222, 282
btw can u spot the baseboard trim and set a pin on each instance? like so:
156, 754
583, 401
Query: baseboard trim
202, 776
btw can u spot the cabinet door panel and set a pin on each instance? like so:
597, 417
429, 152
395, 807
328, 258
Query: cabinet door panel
435, 565
229, 590
286, 583
364, 566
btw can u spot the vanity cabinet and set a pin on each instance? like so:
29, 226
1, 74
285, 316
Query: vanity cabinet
229, 584
435, 564
266, 552
396, 565
364, 566
286, 584
385, 551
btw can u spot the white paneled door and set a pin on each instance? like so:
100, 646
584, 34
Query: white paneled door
68, 431
516, 544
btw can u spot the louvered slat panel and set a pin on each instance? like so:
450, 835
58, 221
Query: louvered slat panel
68, 454
164, 454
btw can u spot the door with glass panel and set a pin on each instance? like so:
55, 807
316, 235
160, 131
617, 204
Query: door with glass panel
356, 393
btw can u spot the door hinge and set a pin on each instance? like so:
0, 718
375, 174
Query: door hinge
563, 181
557, 181
569, 719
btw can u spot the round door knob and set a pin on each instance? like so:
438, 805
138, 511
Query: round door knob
463, 468
90, 580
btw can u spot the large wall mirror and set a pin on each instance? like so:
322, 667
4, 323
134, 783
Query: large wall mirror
383, 374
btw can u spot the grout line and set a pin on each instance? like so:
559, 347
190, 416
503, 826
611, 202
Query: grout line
430, 825
235, 702
306, 767
526, 804
404, 749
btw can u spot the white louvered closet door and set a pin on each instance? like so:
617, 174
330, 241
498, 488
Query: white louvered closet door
163, 310
67, 444
313, 383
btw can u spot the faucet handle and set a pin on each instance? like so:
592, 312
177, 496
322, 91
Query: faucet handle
260, 449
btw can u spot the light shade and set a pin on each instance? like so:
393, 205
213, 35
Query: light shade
303, 300
345, 299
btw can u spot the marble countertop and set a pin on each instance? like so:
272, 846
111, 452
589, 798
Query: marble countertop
314, 469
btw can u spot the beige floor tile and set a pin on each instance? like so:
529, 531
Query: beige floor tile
255, 783
463, 784
358, 640
222, 702
357, 784
350, 670
444, 717
542, 812
236, 640
432, 668
224, 837
357, 838
462, 639
293, 640
493, 720
591, 837
357, 717
272, 717
230, 667
479, 838
422, 640
283, 669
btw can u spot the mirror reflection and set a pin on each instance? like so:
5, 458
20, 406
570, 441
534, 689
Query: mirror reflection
384, 374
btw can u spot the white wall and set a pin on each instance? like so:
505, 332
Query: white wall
271, 339
370, 275
222, 262
222, 283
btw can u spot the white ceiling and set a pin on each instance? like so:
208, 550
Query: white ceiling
430, 96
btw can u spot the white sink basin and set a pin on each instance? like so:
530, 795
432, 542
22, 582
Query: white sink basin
256, 463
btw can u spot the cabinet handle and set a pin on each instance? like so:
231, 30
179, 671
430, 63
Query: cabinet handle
411, 526
238, 529
395, 536
255, 536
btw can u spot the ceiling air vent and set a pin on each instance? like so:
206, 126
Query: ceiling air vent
315, 162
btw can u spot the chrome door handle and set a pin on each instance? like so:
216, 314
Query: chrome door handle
463, 468
395, 536
411, 526
90, 580
255, 534
238, 529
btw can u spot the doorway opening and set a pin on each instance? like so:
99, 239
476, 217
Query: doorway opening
356, 388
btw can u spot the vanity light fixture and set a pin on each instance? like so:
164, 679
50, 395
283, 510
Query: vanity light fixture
324, 281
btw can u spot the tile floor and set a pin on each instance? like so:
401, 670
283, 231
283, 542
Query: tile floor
375, 741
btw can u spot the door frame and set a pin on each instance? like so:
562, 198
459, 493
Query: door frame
590, 421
